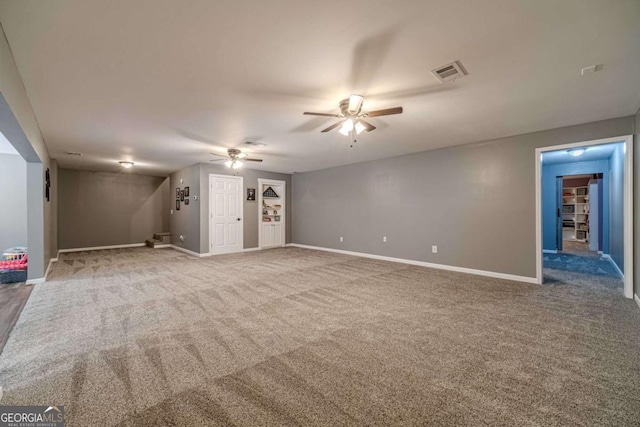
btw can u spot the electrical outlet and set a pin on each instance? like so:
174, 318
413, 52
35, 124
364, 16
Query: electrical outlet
434, 249
384, 239
341, 239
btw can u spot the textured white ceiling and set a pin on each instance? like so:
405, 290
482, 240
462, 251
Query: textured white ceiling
162, 83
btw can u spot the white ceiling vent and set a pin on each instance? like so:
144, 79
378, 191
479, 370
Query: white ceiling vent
255, 144
450, 72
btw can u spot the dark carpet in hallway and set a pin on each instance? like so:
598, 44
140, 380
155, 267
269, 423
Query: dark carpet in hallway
299, 337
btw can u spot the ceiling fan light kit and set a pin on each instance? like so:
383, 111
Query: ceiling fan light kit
234, 159
353, 123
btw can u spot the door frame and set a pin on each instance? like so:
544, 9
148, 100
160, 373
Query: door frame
283, 217
211, 204
627, 140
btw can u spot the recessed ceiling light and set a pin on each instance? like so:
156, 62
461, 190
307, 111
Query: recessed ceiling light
126, 165
575, 152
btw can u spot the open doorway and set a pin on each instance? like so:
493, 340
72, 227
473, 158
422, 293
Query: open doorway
584, 209
579, 220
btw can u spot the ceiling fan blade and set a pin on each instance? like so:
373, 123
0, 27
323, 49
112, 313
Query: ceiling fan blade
217, 160
251, 160
322, 114
385, 112
332, 127
355, 103
369, 127
219, 155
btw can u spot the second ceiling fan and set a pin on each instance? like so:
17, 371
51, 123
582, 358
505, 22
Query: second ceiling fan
353, 117
234, 158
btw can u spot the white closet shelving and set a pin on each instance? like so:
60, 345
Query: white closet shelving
272, 213
575, 213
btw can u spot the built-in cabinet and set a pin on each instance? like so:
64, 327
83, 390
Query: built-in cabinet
575, 213
271, 197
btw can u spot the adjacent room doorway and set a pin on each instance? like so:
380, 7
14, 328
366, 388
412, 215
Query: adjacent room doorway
225, 214
615, 211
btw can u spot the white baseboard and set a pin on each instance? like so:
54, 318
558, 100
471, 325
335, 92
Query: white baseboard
608, 257
251, 249
99, 248
187, 251
164, 245
426, 264
549, 251
637, 298
35, 281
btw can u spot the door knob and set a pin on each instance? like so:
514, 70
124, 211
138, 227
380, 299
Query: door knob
239, 219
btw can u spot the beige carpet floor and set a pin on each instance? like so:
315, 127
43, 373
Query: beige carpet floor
298, 337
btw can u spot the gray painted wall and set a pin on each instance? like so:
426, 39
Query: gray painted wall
186, 221
54, 208
192, 221
616, 210
13, 188
636, 203
102, 209
19, 125
251, 209
475, 202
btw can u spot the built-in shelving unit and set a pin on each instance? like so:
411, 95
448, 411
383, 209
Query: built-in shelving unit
272, 212
575, 213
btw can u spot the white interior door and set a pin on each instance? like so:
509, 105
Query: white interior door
225, 227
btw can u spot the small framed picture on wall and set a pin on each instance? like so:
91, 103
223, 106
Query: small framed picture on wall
251, 194
182, 196
186, 191
186, 201
177, 205
178, 193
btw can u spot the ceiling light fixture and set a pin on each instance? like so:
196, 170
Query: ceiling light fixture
347, 127
575, 152
126, 165
234, 163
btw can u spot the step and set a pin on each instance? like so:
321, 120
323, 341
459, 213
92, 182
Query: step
152, 242
163, 237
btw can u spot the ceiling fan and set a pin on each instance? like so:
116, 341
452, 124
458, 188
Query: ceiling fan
353, 117
234, 158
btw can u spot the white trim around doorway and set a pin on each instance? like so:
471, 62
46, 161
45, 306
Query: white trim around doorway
283, 218
210, 210
627, 140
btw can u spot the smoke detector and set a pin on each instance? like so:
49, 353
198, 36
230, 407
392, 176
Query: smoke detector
450, 72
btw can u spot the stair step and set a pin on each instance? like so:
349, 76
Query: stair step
152, 242
163, 237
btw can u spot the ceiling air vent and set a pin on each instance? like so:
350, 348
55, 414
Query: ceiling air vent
450, 72
255, 144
